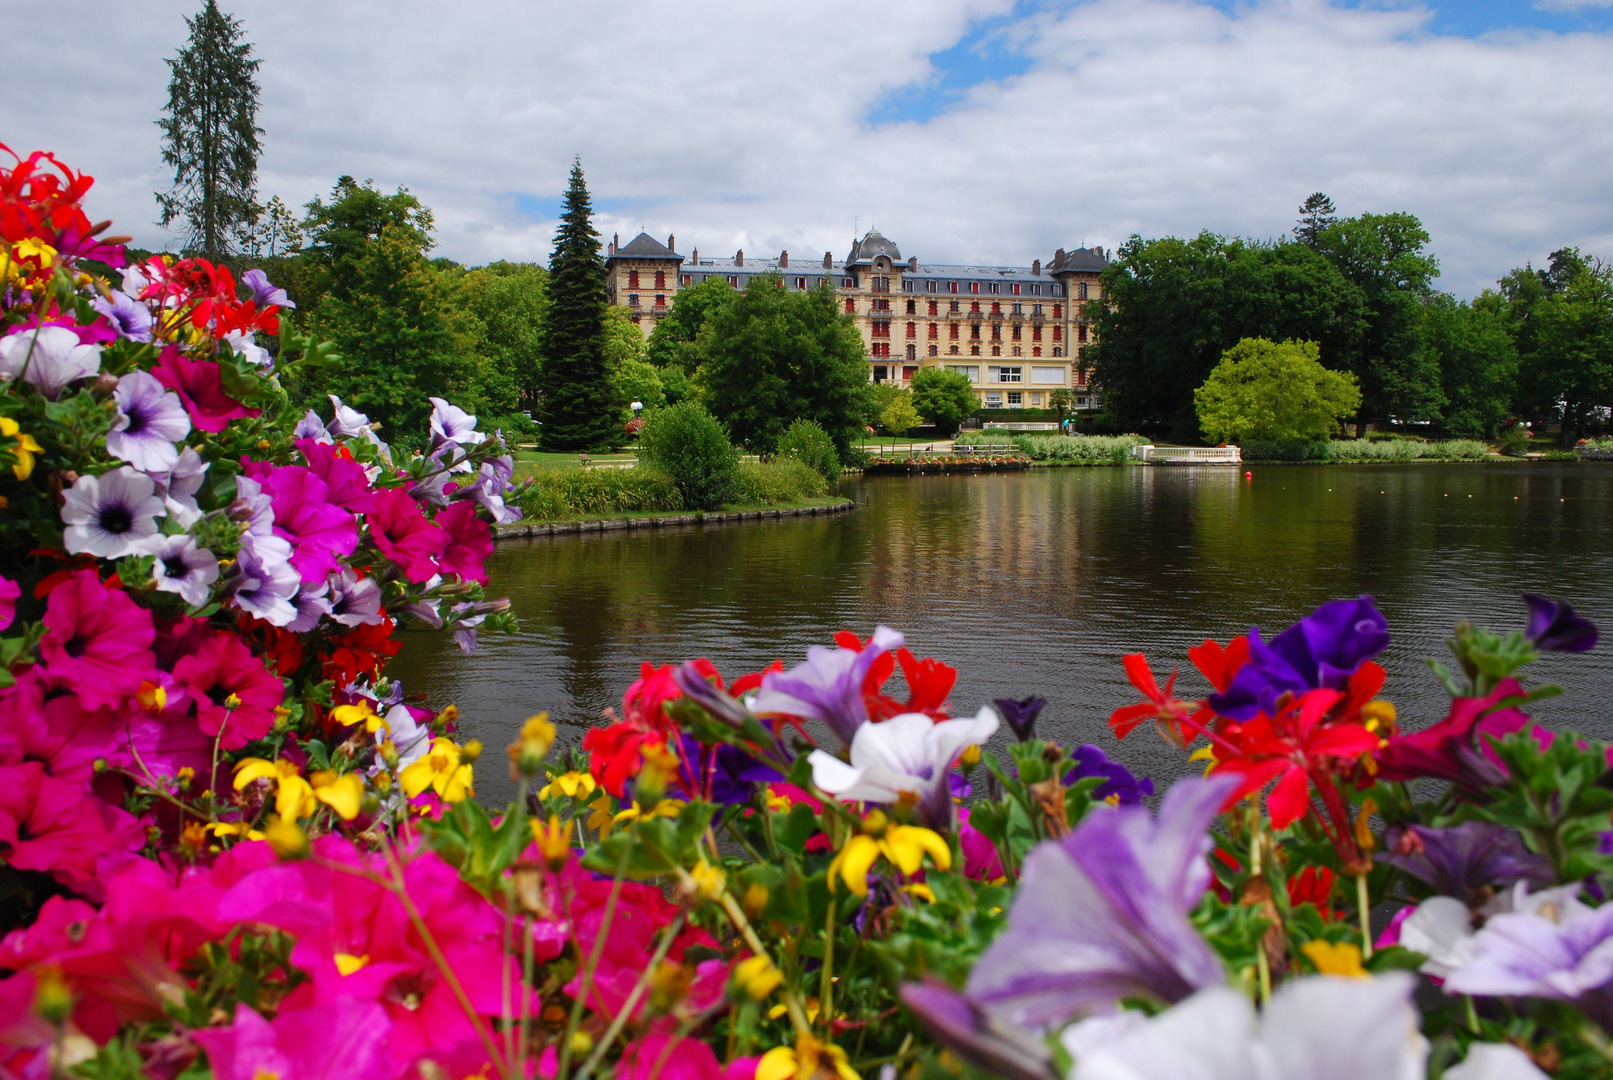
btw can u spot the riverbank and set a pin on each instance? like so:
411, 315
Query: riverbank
650, 519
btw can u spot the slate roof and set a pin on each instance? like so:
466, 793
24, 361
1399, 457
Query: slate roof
1088, 259
872, 244
645, 246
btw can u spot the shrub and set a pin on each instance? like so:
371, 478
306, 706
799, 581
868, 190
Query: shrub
1515, 443
1277, 393
943, 398
1065, 449
573, 492
808, 443
781, 481
1345, 451
899, 416
689, 445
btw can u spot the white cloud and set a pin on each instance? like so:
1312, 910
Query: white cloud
1571, 5
736, 124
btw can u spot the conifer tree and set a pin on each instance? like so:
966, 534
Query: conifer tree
579, 407
210, 135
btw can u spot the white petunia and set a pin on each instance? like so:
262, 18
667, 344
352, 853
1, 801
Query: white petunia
909, 754
110, 515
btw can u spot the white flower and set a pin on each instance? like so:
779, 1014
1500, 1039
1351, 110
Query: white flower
407, 735
244, 345
183, 568
150, 419
348, 423
453, 424
265, 581
110, 515
1316, 1028
1442, 927
907, 753
179, 485
47, 359
1495, 1061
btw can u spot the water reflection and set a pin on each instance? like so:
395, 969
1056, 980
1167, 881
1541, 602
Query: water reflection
1038, 582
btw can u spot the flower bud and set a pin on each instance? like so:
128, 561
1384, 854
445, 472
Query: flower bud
970, 758
659, 764
389, 754
470, 750
755, 900
875, 823
286, 838
582, 1043
528, 751
53, 998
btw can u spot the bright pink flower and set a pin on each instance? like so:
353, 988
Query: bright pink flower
741, 1068
1457, 748
197, 384
348, 483
319, 533
233, 691
56, 826
9, 591
470, 542
97, 640
25, 1038
668, 1057
344, 1040
405, 536
981, 861
41, 720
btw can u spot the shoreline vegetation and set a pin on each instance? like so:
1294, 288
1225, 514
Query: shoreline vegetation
571, 495
649, 519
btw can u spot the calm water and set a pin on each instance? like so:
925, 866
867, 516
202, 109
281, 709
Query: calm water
1038, 582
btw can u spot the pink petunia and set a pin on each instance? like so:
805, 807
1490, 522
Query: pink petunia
320, 534
470, 542
199, 389
97, 640
405, 536
669, 1057
25, 1037
233, 691
348, 483
981, 861
40, 720
52, 825
9, 592
342, 1041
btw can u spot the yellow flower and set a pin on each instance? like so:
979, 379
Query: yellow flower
25, 449
286, 837
233, 828
553, 838
806, 1059
903, 845
359, 713
920, 890
347, 963
343, 794
528, 751
293, 796
666, 808
572, 785
1363, 826
708, 880
757, 977
440, 770
600, 819
1204, 753
969, 758
153, 698
779, 804
1330, 959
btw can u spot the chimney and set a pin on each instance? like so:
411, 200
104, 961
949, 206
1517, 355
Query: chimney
1036, 267
913, 264
828, 261
671, 242
784, 260
695, 257
739, 257
1058, 258
615, 242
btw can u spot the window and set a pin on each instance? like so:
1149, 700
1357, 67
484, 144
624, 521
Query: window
1081, 401
968, 371
1017, 330
974, 307
954, 306
660, 300
907, 284
881, 372
1036, 333
849, 284
1015, 397
1081, 332
733, 279
1036, 309
1057, 351
882, 328
1016, 350
935, 331
929, 286
800, 284
935, 309
912, 307
1016, 293
1036, 399
1058, 332
635, 317
1036, 290
974, 331
660, 279
953, 286
996, 287
974, 287
882, 348
952, 331
1019, 309
912, 329
1080, 377
935, 350
909, 372
996, 350
879, 305
974, 350
994, 400
632, 279
632, 299
1055, 290
1048, 376
952, 350
1036, 350
996, 331
1012, 374
912, 352
851, 306
1082, 293
687, 278
1058, 311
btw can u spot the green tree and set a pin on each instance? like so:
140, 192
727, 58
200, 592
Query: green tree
775, 355
210, 136
1316, 214
943, 398
1478, 364
688, 444
633, 377
673, 342
809, 444
1274, 393
339, 234
509, 301
578, 405
899, 416
1562, 321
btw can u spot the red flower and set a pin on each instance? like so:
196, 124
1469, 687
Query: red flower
1313, 885
746, 683
233, 691
642, 705
361, 651
1162, 706
197, 384
616, 754
1219, 665
97, 640
405, 536
470, 542
928, 681
1456, 748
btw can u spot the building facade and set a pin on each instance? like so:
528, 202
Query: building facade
1015, 332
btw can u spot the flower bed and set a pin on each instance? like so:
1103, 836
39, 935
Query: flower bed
945, 463
232, 845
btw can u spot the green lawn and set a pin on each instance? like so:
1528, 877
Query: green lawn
535, 461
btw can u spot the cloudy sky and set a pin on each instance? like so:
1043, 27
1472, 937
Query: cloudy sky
967, 130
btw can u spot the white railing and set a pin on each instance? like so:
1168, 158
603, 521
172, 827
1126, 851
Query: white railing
1022, 425
1187, 455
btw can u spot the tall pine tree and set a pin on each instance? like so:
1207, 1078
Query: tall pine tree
210, 136
579, 407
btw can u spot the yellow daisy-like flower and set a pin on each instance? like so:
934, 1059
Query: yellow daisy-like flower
757, 976
442, 771
1330, 959
600, 819
233, 828
809, 1057
293, 796
359, 713
573, 785
708, 880
553, 838
25, 450
664, 808
343, 794
903, 845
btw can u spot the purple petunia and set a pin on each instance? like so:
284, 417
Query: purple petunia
1118, 782
906, 755
1554, 627
1103, 914
450, 424
131, 318
1465, 860
47, 358
1321, 650
829, 686
178, 487
312, 427
265, 582
150, 419
264, 292
312, 604
354, 600
183, 568
1021, 715
110, 515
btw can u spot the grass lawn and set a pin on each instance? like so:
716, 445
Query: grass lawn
536, 461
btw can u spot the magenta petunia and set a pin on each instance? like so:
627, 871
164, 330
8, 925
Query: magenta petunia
97, 641
470, 542
345, 1040
198, 386
233, 691
405, 536
320, 534
9, 592
40, 720
53, 825
669, 1057
349, 484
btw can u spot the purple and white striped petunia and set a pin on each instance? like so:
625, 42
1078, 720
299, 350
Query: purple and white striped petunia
110, 515
1102, 915
265, 582
449, 423
150, 419
313, 604
828, 687
907, 754
132, 318
47, 358
183, 568
264, 291
345, 422
354, 600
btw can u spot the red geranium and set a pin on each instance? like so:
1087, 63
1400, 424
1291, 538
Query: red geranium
361, 652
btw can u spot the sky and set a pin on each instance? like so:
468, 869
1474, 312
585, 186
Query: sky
969, 131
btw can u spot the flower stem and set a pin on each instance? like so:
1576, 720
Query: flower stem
586, 976
631, 1003
1363, 905
826, 984
792, 1005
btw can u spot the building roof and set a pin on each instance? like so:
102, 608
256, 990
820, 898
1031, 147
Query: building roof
1081, 259
645, 246
872, 244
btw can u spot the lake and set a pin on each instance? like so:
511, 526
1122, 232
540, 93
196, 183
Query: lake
1036, 583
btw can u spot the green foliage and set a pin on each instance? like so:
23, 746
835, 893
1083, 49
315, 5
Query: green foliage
579, 407
873, 399
1348, 451
777, 483
943, 398
509, 301
773, 356
1064, 449
673, 342
632, 377
1276, 393
1557, 802
596, 492
1561, 319
689, 445
1061, 398
1478, 364
809, 444
210, 136
899, 416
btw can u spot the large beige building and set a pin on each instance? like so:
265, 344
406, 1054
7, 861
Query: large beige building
1015, 332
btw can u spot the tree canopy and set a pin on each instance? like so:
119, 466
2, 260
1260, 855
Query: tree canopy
579, 405
943, 397
1273, 392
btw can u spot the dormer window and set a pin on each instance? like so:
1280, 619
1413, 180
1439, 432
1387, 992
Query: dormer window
974, 287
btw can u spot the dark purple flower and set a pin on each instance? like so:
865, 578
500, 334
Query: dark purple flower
976, 1036
723, 774
1554, 627
1321, 650
1021, 715
1103, 914
1462, 860
264, 293
1118, 783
